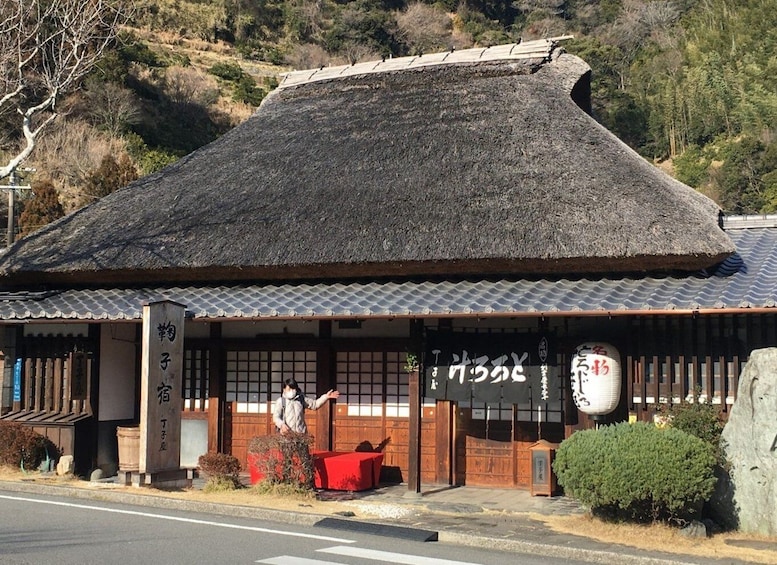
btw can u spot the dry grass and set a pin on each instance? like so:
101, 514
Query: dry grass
653, 537
204, 55
663, 538
285, 500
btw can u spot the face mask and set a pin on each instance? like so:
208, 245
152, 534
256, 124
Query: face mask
291, 394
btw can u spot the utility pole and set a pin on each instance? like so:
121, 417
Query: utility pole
12, 187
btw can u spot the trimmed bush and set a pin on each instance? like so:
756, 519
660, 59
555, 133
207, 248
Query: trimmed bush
21, 446
700, 419
223, 471
637, 471
284, 459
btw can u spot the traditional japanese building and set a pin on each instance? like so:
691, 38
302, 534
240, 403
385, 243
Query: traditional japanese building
463, 207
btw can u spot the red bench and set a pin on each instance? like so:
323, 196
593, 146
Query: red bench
335, 470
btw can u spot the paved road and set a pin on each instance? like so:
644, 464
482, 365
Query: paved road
50, 529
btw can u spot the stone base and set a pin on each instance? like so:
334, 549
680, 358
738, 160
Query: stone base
176, 478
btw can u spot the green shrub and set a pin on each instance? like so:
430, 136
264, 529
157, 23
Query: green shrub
637, 471
148, 160
223, 471
284, 458
21, 446
227, 71
700, 419
247, 91
137, 51
692, 166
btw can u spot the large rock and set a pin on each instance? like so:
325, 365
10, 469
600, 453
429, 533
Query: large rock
750, 443
65, 465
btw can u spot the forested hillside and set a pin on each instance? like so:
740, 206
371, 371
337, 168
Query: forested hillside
690, 84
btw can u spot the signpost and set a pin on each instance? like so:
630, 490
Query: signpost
161, 399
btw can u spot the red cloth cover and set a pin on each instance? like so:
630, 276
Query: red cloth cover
334, 470
349, 471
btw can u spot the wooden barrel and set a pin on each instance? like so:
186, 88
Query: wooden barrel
129, 448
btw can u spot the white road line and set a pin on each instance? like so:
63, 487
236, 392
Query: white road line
389, 556
291, 560
177, 519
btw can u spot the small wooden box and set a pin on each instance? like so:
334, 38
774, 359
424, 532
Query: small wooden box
543, 479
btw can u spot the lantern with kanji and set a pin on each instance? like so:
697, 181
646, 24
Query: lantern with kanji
596, 378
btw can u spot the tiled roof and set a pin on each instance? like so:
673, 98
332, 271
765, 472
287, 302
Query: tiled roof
747, 280
538, 49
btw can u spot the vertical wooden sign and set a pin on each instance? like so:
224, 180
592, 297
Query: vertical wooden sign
78, 375
161, 398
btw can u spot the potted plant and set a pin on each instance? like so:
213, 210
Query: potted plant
411, 362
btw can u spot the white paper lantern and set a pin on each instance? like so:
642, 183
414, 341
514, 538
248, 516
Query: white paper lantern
596, 378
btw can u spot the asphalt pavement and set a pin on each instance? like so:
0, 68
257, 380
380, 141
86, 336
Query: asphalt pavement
492, 518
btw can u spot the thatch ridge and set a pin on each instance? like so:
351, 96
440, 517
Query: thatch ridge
480, 168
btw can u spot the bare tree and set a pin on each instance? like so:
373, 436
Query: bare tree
112, 107
424, 28
46, 49
185, 85
639, 23
66, 156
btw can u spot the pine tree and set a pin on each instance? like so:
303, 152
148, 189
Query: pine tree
111, 175
43, 208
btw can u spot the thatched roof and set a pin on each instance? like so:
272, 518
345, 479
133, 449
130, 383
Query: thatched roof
486, 167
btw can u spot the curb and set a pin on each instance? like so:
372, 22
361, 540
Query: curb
310, 519
549, 550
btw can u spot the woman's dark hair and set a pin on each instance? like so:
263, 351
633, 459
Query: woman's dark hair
291, 383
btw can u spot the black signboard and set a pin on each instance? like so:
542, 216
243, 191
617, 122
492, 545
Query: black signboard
78, 375
493, 368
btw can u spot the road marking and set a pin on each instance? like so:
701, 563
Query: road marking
291, 560
389, 556
177, 519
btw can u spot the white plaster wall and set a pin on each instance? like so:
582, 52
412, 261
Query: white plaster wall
117, 372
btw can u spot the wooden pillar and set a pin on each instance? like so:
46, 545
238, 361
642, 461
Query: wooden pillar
92, 403
415, 393
444, 441
216, 390
39, 365
93, 388
48, 385
414, 456
325, 381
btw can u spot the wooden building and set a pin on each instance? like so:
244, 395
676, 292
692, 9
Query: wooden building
462, 207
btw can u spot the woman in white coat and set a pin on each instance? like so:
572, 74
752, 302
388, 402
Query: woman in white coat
289, 413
